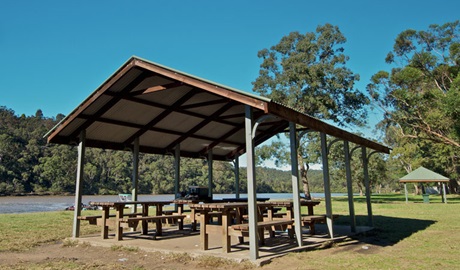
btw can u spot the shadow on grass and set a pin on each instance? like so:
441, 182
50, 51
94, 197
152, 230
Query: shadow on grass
390, 198
388, 230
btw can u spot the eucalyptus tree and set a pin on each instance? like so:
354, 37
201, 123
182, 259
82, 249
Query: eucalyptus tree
308, 72
421, 98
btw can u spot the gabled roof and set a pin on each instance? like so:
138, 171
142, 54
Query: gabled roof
423, 175
165, 107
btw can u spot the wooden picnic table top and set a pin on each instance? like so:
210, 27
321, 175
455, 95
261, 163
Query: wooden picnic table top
226, 205
117, 203
213, 205
290, 203
185, 201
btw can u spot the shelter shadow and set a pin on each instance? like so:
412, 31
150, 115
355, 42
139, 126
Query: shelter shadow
390, 230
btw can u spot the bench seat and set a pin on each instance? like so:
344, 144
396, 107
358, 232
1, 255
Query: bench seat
132, 222
242, 230
311, 220
93, 219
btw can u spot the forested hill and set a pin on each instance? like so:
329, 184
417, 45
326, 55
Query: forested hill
29, 165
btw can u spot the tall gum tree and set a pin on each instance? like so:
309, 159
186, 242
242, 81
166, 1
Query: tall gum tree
308, 73
421, 98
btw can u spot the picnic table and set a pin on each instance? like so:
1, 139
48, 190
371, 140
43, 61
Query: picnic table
119, 221
231, 221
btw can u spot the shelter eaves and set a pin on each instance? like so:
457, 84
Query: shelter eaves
164, 107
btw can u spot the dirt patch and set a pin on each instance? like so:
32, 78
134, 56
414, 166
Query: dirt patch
84, 256
74, 255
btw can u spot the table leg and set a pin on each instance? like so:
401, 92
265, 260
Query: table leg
193, 219
203, 234
159, 231
105, 228
145, 226
260, 232
119, 229
226, 240
270, 217
239, 215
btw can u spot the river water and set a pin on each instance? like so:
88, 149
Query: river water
27, 204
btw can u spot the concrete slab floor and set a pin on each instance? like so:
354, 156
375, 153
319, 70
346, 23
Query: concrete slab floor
187, 241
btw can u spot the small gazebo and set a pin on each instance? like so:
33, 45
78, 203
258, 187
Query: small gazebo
423, 175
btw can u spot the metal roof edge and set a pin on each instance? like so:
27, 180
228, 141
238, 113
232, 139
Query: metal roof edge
90, 95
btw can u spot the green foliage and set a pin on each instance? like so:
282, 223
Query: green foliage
308, 73
420, 98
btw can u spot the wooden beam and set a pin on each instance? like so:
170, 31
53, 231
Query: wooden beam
162, 115
203, 123
179, 110
160, 130
156, 88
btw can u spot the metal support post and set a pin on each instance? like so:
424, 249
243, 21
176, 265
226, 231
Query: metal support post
295, 183
327, 186
351, 206
251, 171
78, 184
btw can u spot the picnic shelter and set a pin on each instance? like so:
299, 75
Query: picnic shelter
145, 107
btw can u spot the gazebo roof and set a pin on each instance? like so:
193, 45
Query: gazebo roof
423, 175
164, 107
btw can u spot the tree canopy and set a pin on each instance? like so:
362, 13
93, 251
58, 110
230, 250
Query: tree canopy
420, 98
308, 72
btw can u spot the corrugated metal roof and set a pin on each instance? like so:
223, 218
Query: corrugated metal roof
151, 101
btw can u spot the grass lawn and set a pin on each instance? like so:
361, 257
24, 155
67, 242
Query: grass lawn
415, 235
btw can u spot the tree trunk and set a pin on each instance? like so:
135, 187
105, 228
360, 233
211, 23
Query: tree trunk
304, 177
361, 191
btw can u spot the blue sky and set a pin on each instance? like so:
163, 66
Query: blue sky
55, 53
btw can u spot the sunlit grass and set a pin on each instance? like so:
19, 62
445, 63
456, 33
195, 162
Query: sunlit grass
412, 235
24, 231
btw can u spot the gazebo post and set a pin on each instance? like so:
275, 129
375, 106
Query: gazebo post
405, 192
444, 192
295, 182
135, 180
251, 171
78, 184
327, 185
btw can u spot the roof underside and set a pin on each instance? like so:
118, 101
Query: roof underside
164, 107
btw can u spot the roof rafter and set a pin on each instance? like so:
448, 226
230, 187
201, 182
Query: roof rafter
162, 115
202, 124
